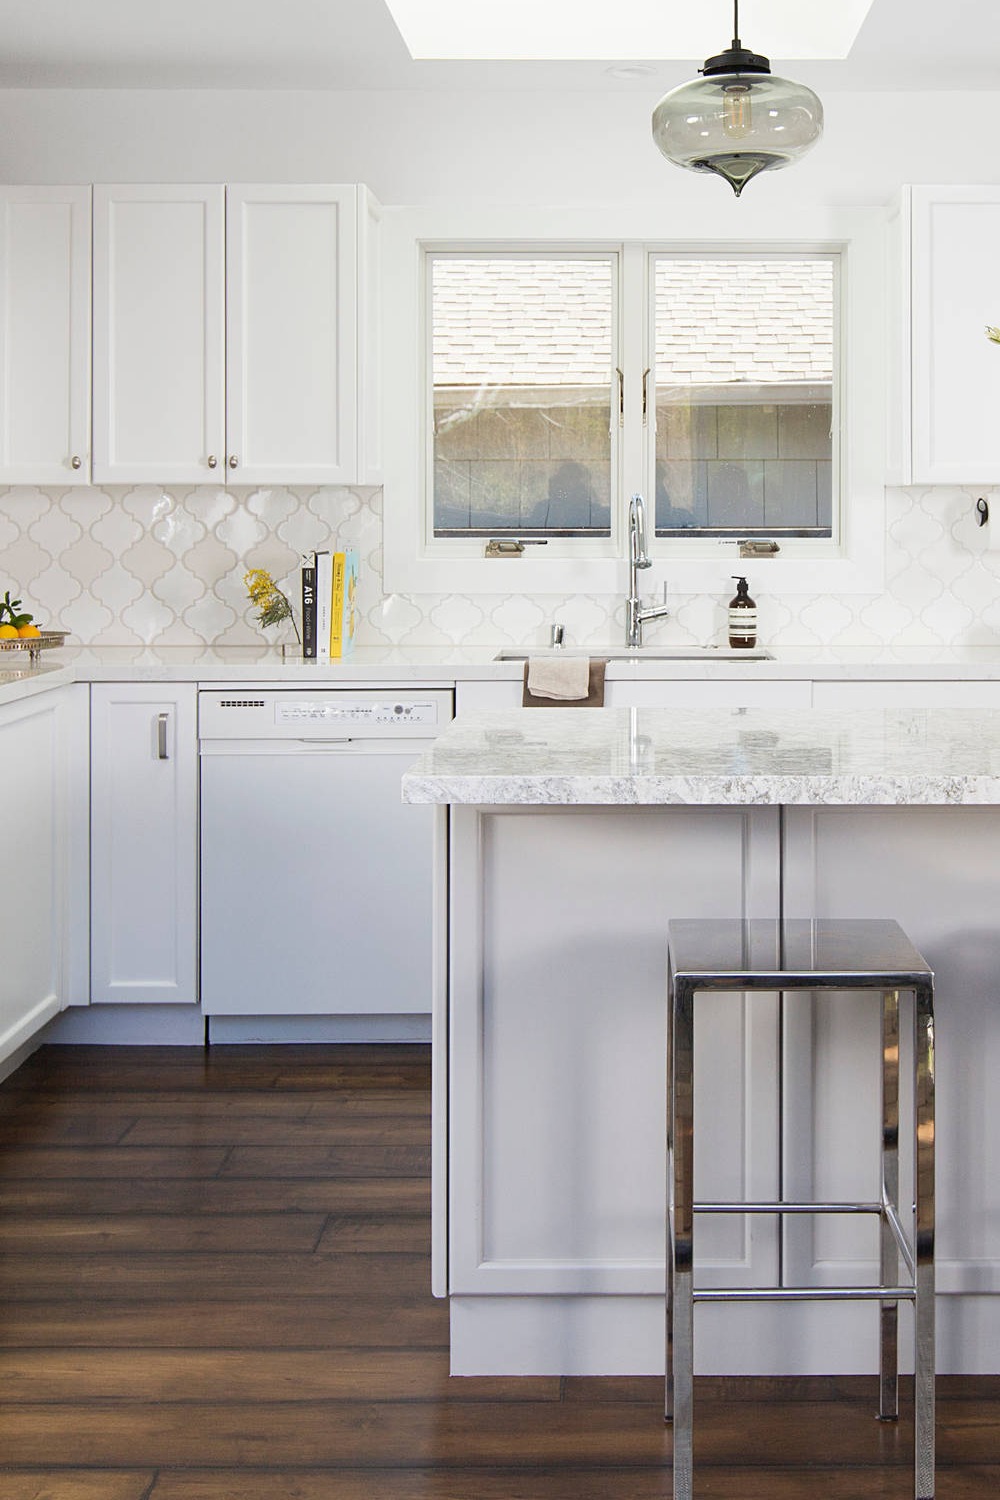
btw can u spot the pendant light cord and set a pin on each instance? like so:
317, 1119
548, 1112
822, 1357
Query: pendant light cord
737, 44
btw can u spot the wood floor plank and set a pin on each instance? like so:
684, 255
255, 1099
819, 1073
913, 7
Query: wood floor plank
78, 1484
156, 1232
388, 1196
621, 1482
116, 1161
250, 1130
183, 1104
448, 1432
40, 1129
618, 1483
252, 1375
328, 1161
193, 1276
279, 1322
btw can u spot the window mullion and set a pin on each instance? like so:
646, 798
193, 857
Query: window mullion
635, 463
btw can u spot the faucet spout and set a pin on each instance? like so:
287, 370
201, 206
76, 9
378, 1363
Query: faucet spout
638, 557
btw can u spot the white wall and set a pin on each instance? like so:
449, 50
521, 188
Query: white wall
513, 147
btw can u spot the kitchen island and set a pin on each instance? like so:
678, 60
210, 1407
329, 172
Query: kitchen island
567, 840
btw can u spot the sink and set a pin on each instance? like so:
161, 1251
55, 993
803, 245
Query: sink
635, 653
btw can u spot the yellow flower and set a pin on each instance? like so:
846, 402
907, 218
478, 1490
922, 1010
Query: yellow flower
993, 334
271, 603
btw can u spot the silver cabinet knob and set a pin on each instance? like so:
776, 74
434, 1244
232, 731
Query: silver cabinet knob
76, 462
213, 462
233, 461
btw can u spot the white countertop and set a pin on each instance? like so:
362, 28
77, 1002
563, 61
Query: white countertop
634, 757
444, 665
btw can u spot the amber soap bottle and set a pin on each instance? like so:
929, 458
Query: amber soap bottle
742, 618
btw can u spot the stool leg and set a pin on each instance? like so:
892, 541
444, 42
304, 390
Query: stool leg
924, 1311
680, 1302
668, 1395
888, 1392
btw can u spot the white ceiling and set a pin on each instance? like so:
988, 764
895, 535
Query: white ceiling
353, 44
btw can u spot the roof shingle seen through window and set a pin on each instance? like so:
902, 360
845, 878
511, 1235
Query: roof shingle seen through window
525, 322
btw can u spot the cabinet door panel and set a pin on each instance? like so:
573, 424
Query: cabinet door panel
144, 843
291, 263
159, 334
557, 1047
956, 369
45, 335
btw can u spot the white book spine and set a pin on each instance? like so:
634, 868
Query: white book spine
324, 601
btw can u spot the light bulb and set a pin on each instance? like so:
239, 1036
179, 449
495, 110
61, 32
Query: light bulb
737, 117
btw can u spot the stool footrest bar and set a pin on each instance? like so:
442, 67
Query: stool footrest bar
772, 1207
806, 1294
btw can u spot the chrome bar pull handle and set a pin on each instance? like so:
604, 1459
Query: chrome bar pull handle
161, 736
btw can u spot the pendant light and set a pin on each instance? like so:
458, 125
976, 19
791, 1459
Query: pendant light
737, 119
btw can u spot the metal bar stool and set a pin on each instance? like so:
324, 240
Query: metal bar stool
806, 955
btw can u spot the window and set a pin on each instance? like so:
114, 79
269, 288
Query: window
528, 374
538, 372
522, 363
743, 367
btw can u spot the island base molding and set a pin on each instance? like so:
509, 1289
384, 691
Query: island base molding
609, 1335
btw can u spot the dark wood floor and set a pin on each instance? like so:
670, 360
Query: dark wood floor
214, 1275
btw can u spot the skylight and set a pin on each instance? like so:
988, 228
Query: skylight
654, 30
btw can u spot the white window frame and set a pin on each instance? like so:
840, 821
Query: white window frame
852, 563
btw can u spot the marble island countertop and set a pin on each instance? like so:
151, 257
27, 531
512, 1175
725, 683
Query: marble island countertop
718, 756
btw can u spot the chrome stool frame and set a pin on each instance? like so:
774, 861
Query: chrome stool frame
806, 955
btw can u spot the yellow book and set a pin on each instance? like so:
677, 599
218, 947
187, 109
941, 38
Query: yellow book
343, 610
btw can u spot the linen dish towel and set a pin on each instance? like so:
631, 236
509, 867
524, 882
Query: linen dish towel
569, 682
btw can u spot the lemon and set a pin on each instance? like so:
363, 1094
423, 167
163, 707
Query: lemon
8, 633
26, 631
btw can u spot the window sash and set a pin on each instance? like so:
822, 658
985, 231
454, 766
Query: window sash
824, 535
466, 541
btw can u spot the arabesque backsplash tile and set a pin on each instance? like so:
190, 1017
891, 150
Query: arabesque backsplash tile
146, 565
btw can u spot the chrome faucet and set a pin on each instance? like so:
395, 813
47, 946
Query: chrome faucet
638, 557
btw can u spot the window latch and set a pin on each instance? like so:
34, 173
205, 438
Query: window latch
509, 546
757, 549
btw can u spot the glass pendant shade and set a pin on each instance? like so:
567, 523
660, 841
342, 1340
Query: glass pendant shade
737, 119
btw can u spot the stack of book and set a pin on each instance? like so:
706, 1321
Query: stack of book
329, 604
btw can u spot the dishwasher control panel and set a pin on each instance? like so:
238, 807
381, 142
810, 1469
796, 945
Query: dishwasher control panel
395, 712
325, 713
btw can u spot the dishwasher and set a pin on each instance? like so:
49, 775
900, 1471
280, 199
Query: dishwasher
316, 879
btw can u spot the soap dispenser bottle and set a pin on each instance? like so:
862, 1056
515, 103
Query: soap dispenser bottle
742, 618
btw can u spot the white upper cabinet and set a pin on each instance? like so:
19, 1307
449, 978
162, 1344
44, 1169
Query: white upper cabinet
235, 335
948, 372
44, 335
159, 334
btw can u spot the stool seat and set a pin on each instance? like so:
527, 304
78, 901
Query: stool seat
795, 954
817, 954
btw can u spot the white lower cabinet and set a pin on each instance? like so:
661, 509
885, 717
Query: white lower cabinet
43, 814
144, 847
